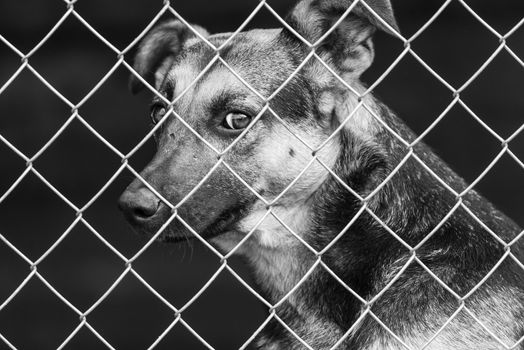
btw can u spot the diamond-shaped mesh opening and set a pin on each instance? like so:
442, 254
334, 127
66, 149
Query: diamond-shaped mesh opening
423, 93
469, 155
416, 304
191, 262
81, 267
40, 118
342, 253
110, 112
79, 159
77, 70
455, 21
462, 274
130, 305
32, 202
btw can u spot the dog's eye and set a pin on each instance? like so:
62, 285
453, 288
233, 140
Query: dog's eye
157, 112
236, 121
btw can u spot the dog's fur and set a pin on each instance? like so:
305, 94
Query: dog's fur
367, 257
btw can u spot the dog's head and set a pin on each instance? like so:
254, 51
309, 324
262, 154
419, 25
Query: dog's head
224, 104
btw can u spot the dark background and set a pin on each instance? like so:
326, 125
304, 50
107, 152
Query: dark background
82, 268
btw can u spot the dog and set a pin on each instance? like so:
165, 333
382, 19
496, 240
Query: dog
373, 245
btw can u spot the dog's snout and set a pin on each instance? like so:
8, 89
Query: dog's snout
139, 205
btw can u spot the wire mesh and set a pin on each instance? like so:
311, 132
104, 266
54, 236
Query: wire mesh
127, 262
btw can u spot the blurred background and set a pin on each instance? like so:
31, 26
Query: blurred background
82, 268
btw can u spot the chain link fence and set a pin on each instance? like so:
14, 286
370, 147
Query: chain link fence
127, 262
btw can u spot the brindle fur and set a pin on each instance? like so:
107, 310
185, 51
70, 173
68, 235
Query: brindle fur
318, 207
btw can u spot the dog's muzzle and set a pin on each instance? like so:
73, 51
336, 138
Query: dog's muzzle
140, 206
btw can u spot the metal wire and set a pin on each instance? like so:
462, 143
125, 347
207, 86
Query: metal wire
127, 262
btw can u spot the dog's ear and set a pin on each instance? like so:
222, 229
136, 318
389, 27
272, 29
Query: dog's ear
158, 50
348, 48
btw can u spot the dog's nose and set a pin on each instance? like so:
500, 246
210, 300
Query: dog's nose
139, 205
